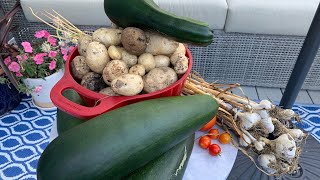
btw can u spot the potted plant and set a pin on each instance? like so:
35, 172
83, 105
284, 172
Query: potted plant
39, 66
10, 97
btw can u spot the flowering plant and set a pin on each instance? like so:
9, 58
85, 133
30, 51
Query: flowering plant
39, 59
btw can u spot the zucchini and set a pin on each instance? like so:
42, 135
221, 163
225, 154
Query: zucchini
169, 166
116, 143
147, 14
64, 120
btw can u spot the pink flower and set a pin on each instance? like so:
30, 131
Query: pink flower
52, 54
14, 67
52, 65
19, 58
52, 41
46, 34
38, 58
7, 60
18, 74
65, 57
39, 34
71, 48
25, 57
27, 47
37, 89
42, 34
64, 51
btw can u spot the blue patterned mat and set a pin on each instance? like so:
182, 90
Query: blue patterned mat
25, 132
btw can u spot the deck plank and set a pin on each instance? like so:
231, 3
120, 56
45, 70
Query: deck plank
315, 96
249, 91
303, 97
274, 94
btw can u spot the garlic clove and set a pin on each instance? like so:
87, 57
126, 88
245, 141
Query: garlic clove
266, 160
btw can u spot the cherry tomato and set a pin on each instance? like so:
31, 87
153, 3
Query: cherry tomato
225, 138
214, 150
209, 125
214, 132
204, 142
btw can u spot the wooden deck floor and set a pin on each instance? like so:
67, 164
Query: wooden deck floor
275, 94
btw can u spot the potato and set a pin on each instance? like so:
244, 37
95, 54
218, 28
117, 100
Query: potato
83, 43
160, 45
181, 66
79, 67
134, 40
108, 36
181, 49
162, 61
114, 53
147, 60
127, 84
159, 78
108, 91
128, 58
93, 82
138, 69
97, 57
175, 57
114, 69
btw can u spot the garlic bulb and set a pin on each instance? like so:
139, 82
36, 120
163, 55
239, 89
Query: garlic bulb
248, 120
265, 160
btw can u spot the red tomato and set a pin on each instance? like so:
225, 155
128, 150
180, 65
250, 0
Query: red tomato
214, 150
209, 125
204, 142
214, 133
225, 138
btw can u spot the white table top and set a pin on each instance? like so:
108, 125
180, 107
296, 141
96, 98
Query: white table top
201, 164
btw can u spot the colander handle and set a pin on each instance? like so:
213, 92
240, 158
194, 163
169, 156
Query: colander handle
105, 103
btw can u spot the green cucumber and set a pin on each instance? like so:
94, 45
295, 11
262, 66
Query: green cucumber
169, 166
116, 143
146, 14
64, 120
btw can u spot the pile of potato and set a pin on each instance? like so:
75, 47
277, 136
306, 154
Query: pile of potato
128, 62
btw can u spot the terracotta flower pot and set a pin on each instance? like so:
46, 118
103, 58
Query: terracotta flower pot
42, 98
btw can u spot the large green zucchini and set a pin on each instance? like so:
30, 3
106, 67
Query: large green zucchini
64, 120
115, 144
168, 166
146, 14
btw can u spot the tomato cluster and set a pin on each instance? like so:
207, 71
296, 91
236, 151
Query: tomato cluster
205, 141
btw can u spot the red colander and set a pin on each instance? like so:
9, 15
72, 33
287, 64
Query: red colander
100, 103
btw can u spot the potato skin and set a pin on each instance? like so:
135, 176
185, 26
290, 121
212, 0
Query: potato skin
114, 53
114, 69
181, 49
159, 78
108, 91
127, 84
83, 43
181, 66
160, 45
147, 60
162, 61
79, 67
129, 59
137, 69
93, 81
108, 36
175, 57
97, 57
134, 40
